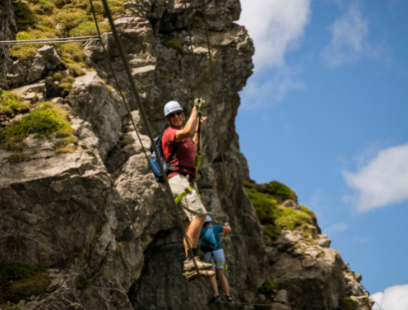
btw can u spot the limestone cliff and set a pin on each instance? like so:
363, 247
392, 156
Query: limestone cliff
87, 206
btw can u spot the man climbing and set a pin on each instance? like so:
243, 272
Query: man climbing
179, 143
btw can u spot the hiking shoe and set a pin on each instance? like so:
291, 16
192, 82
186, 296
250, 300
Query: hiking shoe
190, 276
189, 265
229, 298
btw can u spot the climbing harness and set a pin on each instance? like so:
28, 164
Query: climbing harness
214, 261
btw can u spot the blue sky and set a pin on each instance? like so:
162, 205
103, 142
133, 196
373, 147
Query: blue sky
326, 112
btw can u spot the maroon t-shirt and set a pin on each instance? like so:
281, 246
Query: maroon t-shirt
185, 153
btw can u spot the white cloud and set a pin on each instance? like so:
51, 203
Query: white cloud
350, 39
335, 228
276, 26
260, 92
393, 298
383, 181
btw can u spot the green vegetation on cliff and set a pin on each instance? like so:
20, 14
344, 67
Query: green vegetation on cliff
20, 281
43, 120
45, 19
273, 216
11, 103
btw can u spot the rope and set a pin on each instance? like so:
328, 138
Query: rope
148, 129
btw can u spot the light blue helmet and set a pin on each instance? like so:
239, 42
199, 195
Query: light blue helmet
172, 106
208, 219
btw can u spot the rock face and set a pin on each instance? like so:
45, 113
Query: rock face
8, 30
26, 71
98, 214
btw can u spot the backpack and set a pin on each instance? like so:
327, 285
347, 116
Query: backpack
153, 160
208, 241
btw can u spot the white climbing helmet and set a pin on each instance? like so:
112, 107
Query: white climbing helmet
208, 219
172, 106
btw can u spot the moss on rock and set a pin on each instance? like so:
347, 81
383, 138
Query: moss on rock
20, 281
273, 216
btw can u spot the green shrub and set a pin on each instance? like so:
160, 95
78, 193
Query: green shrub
267, 287
72, 51
290, 219
20, 281
70, 19
33, 285
308, 211
88, 28
24, 15
175, 44
281, 190
274, 217
265, 207
12, 146
63, 133
66, 141
17, 158
347, 304
12, 103
43, 6
75, 69
44, 120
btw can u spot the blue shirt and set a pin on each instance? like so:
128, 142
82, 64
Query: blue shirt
217, 230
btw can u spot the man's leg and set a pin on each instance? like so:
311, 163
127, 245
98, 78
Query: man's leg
184, 239
193, 230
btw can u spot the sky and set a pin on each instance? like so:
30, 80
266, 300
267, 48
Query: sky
326, 113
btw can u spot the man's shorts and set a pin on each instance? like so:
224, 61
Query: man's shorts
216, 258
191, 203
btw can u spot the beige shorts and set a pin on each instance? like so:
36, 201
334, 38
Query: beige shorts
191, 203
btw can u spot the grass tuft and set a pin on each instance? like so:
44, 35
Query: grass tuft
12, 146
44, 120
347, 304
66, 141
274, 217
67, 149
11, 103
174, 44
33, 285
63, 133
25, 16
20, 281
267, 287
17, 158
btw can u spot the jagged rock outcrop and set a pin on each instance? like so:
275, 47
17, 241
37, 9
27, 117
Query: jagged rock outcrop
97, 215
8, 30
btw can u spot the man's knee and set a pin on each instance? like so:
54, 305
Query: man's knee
202, 217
